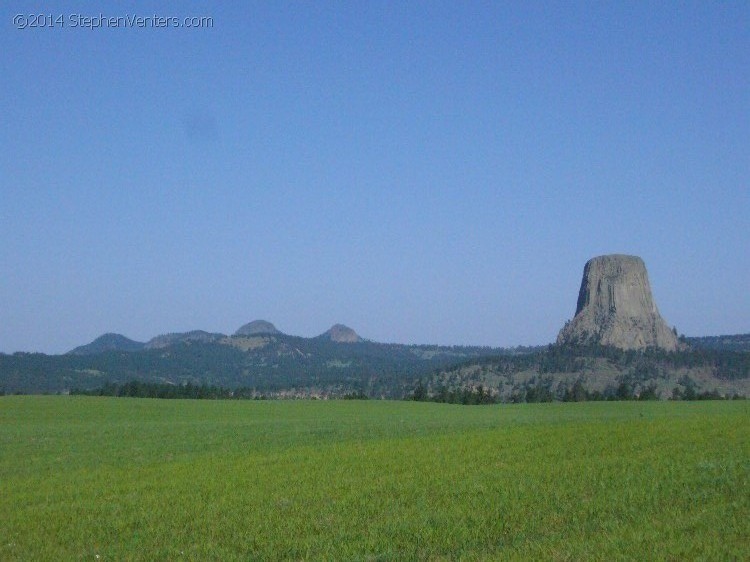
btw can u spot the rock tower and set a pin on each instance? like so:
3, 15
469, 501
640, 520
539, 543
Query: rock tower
615, 307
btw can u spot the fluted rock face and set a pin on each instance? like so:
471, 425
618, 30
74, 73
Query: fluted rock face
616, 308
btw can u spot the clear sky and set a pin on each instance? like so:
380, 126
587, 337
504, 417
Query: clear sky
433, 172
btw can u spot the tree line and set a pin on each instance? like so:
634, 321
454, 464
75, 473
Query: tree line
188, 391
542, 390
143, 389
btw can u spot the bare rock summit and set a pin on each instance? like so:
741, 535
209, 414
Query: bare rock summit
341, 334
616, 308
257, 327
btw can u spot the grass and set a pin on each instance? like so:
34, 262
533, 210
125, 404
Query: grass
142, 479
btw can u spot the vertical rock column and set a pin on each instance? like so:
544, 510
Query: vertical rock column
616, 308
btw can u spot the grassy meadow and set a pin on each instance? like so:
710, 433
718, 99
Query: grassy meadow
86, 478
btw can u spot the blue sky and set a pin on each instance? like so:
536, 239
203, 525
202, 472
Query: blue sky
432, 172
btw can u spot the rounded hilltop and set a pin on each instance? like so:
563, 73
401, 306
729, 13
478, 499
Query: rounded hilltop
107, 342
257, 327
341, 334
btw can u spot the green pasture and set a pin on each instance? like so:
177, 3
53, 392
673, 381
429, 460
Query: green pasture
86, 478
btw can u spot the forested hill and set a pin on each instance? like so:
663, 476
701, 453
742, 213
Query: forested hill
108, 342
276, 364
739, 342
270, 363
593, 372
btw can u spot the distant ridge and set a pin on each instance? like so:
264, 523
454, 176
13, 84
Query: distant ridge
257, 327
107, 342
341, 334
728, 342
166, 340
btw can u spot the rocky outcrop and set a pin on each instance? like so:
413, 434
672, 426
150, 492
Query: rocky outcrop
341, 334
257, 327
616, 308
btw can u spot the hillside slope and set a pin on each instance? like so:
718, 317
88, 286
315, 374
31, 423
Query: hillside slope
271, 363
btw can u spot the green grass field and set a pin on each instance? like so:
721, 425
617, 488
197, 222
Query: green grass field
136, 479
